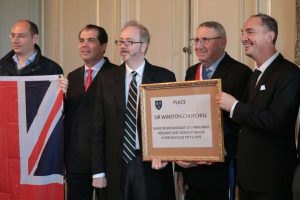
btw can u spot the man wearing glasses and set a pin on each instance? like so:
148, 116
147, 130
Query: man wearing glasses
119, 125
212, 181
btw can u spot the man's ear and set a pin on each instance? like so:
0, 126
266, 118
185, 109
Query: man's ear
270, 36
144, 47
103, 46
35, 38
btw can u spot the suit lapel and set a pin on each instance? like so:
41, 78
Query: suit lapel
266, 77
148, 75
88, 95
80, 87
119, 89
222, 69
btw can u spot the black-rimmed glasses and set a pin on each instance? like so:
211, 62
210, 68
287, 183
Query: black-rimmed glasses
125, 42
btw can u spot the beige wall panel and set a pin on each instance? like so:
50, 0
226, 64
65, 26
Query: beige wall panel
109, 19
63, 21
52, 37
158, 18
76, 14
225, 12
166, 21
285, 13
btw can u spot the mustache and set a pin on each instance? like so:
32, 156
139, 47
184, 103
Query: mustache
124, 51
201, 50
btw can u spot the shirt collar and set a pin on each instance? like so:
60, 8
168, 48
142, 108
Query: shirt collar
266, 64
97, 66
27, 62
215, 65
139, 70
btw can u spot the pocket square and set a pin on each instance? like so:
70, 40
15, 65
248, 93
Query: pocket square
262, 87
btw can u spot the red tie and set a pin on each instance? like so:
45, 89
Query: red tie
197, 77
88, 79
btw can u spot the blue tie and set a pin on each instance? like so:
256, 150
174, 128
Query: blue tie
204, 73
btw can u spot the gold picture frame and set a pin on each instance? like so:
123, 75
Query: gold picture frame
181, 121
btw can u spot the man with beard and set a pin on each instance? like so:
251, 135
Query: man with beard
117, 131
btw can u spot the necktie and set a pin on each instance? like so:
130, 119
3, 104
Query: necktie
252, 84
204, 73
130, 121
88, 79
197, 77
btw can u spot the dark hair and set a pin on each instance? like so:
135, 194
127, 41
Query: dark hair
32, 26
268, 22
102, 35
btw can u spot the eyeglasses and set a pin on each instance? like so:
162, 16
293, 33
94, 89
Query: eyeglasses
203, 41
17, 36
125, 42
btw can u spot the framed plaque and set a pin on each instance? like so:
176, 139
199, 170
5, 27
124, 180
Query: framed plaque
181, 121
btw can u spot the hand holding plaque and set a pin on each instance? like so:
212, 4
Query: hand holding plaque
181, 121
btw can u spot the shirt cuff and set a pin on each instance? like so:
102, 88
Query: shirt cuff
232, 109
100, 175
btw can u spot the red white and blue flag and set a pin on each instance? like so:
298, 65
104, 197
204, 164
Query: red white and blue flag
31, 138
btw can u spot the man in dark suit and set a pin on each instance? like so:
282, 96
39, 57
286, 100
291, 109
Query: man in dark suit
210, 181
78, 111
119, 155
296, 181
266, 153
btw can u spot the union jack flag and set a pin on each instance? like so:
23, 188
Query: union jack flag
31, 138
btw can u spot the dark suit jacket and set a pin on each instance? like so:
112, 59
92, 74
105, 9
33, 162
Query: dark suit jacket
40, 66
266, 153
298, 147
234, 76
110, 117
78, 120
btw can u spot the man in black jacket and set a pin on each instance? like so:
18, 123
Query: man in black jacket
78, 111
211, 181
26, 59
296, 182
266, 151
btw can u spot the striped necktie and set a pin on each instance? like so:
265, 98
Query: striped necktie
130, 121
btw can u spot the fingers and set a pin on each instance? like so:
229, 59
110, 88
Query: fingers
158, 164
219, 98
99, 182
63, 83
186, 164
204, 163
